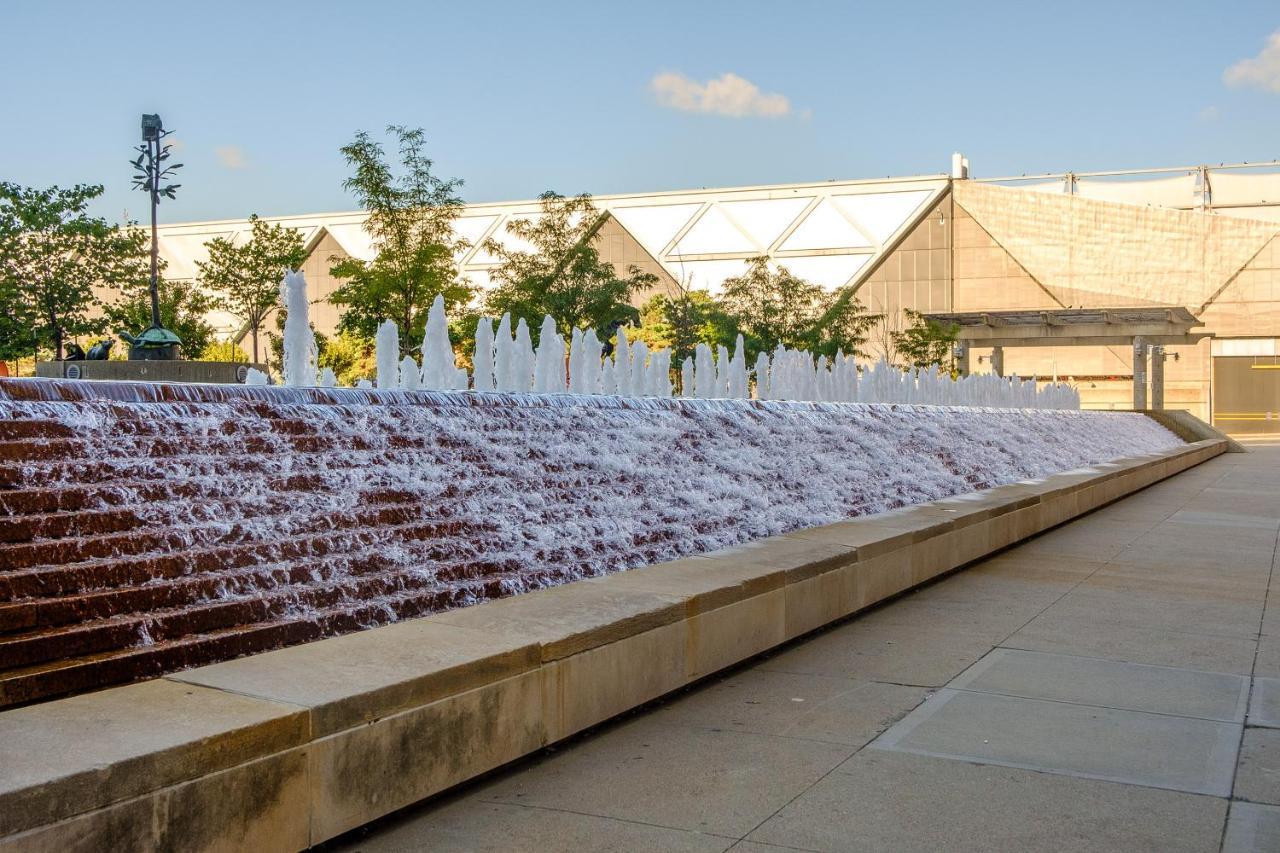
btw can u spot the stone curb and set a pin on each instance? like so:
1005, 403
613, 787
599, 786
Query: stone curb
286, 749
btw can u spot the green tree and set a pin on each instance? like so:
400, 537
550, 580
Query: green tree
927, 342
247, 275
410, 218
772, 306
563, 277
183, 306
222, 351
53, 258
681, 320
350, 356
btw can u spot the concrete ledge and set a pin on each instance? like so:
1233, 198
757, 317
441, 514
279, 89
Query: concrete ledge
294, 747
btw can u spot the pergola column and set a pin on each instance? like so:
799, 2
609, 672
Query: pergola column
1139, 374
1157, 377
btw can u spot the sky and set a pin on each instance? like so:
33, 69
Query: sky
518, 98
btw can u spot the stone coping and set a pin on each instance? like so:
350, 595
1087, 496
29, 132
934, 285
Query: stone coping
289, 748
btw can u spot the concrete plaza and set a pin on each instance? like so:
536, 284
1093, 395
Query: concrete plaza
1113, 684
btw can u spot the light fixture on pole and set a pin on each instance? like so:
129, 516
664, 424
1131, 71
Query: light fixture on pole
156, 342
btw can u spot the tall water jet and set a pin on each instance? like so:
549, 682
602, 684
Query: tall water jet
438, 369
387, 354
299, 341
410, 376
622, 363
686, 377
592, 352
704, 376
522, 360
503, 351
639, 366
548, 369
762, 376
575, 361
483, 357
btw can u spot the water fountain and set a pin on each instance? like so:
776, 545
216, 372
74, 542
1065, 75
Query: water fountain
149, 527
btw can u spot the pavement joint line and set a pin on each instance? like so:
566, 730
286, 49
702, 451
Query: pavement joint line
494, 802
1079, 704
1257, 649
1131, 663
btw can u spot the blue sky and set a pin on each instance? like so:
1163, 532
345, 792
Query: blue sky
517, 98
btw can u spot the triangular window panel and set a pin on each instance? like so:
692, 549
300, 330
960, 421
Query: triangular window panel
882, 214
825, 228
353, 239
506, 239
654, 227
765, 220
714, 233
830, 271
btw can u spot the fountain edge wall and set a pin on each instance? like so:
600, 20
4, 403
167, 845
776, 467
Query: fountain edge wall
290, 748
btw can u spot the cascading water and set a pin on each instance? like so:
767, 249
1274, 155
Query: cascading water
149, 527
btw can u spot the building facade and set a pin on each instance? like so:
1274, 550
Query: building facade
1203, 238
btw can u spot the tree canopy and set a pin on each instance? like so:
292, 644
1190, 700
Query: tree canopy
680, 321
411, 222
563, 276
770, 306
926, 342
247, 275
53, 258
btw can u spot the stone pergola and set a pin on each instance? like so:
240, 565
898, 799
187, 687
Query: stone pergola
1146, 330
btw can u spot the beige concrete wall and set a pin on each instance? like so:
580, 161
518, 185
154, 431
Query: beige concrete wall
915, 276
1028, 250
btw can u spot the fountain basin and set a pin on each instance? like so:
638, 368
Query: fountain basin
147, 528
286, 749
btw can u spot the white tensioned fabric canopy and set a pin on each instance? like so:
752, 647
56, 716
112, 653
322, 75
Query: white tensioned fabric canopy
830, 233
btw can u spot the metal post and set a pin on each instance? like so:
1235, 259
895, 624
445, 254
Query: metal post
1157, 377
1139, 375
153, 149
997, 361
961, 353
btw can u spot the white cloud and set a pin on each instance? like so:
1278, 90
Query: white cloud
231, 156
727, 95
1259, 72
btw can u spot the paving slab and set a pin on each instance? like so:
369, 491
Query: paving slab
899, 653
1264, 703
906, 803
1103, 638
719, 782
1089, 539
1155, 750
1252, 828
1258, 776
1110, 684
1149, 604
814, 707
475, 825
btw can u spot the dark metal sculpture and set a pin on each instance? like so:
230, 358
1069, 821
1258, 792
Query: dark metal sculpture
155, 342
101, 351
